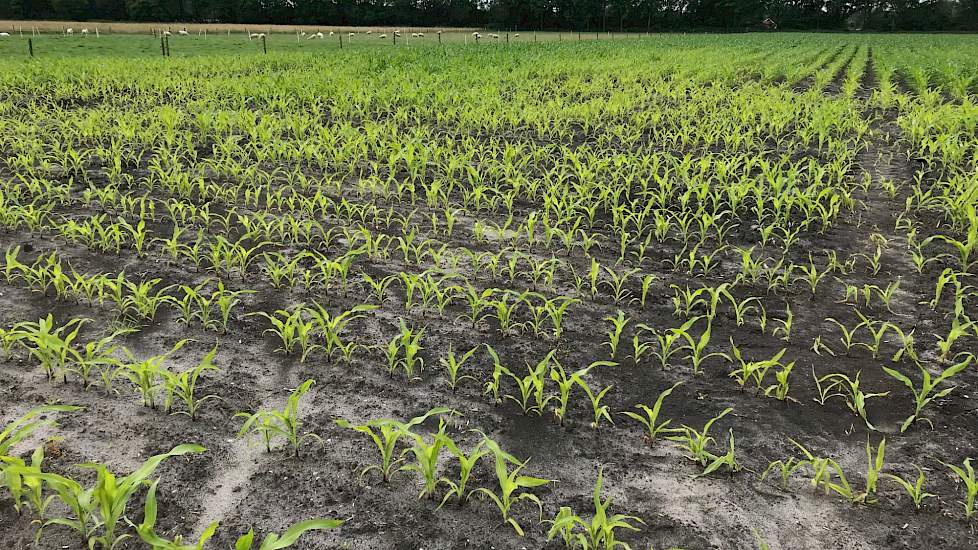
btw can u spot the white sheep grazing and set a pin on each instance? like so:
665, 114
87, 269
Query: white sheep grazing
352, 34
183, 32
311, 37
414, 35
383, 37
370, 32
167, 33
84, 31
320, 35
420, 35
330, 33
69, 30
4, 34
253, 35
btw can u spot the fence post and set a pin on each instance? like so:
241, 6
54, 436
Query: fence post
264, 46
162, 47
30, 46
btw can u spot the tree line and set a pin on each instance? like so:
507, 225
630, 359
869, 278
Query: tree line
575, 15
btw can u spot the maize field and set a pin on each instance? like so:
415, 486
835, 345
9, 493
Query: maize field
667, 292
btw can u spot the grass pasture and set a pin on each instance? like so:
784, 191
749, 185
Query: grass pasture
677, 291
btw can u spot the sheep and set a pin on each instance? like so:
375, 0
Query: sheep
4, 34
255, 35
420, 35
167, 33
352, 34
84, 31
183, 32
69, 31
383, 36
311, 37
414, 35
330, 33
370, 32
493, 35
320, 35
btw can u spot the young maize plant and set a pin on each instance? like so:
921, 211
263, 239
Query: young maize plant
685, 300
650, 421
697, 349
874, 465
492, 387
385, 433
512, 485
98, 356
273, 541
960, 326
742, 307
599, 532
967, 475
96, 510
847, 338
25, 488
618, 325
331, 326
146, 375
504, 310
696, 442
756, 370
193, 304
183, 386
780, 390
728, 459
877, 329
226, 300
291, 329
465, 465
284, 423
667, 340
50, 346
853, 394
404, 351
532, 386
379, 286
915, 490
824, 468
925, 393
785, 469
453, 365
17, 484
812, 277
426, 458
598, 410
141, 300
